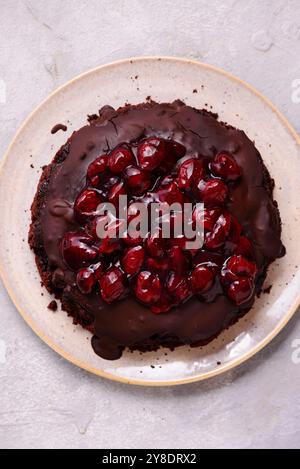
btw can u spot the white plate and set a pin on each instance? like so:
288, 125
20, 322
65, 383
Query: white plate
164, 79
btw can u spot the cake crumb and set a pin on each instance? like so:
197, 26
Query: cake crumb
52, 305
267, 289
58, 127
195, 90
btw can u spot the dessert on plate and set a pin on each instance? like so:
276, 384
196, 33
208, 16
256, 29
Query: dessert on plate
143, 292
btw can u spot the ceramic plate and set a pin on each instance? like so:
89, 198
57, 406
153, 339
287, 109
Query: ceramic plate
164, 79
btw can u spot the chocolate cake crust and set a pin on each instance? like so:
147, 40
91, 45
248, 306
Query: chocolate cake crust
127, 323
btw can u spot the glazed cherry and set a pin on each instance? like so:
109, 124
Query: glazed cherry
170, 193
238, 266
85, 280
176, 148
212, 192
155, 244
161, 265
179, 241
178, 287
151, 152
77, 250
97, 166
112, 284
132, 236
148, 287
120, 158
87, 202
178, 261
190, 171
108, 181
109, 246
115, 192
164, 304
95, 169
225, 166
97, 226
109, 239
133, 259
137, 180
201, 279
207, 217
241, 290
217, 236
98, 269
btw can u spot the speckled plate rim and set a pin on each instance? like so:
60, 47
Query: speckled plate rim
84, 365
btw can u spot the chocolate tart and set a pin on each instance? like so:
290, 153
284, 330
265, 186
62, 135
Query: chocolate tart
152, 292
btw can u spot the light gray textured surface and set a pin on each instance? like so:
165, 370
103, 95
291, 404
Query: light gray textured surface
45, 401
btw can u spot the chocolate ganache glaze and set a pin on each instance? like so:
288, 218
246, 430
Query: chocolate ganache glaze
124, 320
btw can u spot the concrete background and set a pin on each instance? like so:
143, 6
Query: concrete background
46, 402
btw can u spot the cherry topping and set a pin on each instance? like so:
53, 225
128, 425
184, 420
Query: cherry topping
170, 193
190, 171
225, 166
112, 284
220, 231
91, 227
85, 280
137, 180
97, 166
212, 192
163, 305
241, 290
151, 152
133, 259
202, 279
178, 260
148, 287
98, 269
162, 272
87, 202
179, 241
178, 287
161, 265
155, 244
206, 216
76, 250
238, 266
115, 191
111, 242
119, 159
132, 239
